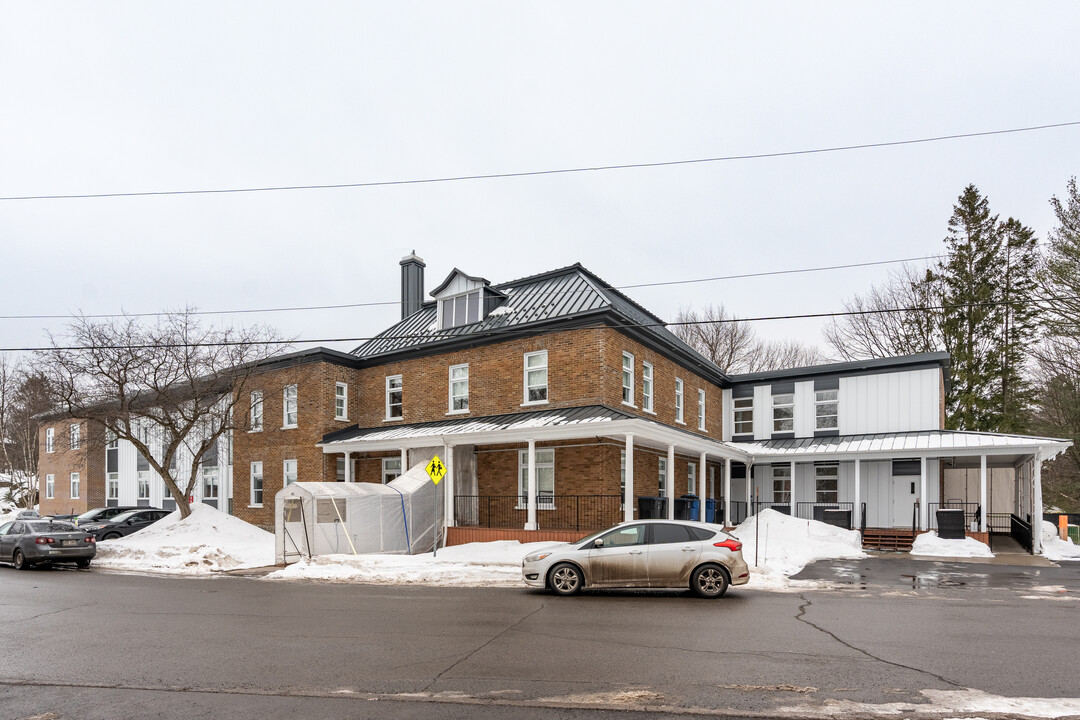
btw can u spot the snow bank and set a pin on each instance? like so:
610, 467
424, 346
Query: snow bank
930, 544
789, 544
1054, 548
207, 541
489, 564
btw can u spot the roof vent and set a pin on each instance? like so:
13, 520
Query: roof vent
412, 284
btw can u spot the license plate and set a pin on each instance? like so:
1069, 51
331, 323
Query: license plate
69, 543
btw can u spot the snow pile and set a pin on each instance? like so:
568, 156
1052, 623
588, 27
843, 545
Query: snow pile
207, 541
789, 544
1054, 548
930, 544
487, 564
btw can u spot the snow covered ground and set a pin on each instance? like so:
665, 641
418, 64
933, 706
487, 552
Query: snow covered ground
206, 541
929, 544
1054, 548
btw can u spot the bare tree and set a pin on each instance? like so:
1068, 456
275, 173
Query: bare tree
162, 387
734, 346
23, 397
1057, 414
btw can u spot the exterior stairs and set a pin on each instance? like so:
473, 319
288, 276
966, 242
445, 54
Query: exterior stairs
888, 538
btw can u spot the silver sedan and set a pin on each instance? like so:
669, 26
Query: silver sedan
644, 553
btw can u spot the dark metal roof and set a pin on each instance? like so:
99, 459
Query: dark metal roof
940, 359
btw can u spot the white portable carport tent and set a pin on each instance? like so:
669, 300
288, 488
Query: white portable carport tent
352, 518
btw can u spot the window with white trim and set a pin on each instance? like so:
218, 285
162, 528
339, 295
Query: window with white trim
113, 488
459, 388
536, 377
826, 408
289, 472
691, 478
826, 479
256, 411
341, 401
545, 477
74, 486
50, 440
76, 436
781, 480
339, 469
662, 479
210, 469
700, 409
289, 405
394, 389
144, 488
50, 487
678, 400
256, 484
391, 469
647, 387
744, 415
460, 310
783, 412
627, 378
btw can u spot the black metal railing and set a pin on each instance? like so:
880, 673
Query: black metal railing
971, 510
553, 512
862, 516
1020, 531
738, 512
780, 507
999, 523
816, 510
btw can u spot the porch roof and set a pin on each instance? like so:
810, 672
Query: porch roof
929, 443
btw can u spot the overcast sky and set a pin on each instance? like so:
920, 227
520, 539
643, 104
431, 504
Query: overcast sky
114, 97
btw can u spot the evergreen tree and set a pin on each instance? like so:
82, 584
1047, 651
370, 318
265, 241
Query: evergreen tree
1062, 268
1019, 325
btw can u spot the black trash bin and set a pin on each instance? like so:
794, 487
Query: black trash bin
652, 508
686, 507
836, 517
950, 524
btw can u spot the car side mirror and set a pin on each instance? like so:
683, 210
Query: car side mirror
598, 542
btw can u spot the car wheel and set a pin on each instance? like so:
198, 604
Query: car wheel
19, 561
565, 579
112, 536
709, 581
83, 564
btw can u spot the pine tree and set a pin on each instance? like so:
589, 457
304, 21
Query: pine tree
1062, 269
1019, 325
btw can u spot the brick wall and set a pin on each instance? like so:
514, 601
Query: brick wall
63, 461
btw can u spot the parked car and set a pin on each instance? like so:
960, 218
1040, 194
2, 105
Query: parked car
645, 553
101, 514
25, 543
27, 515
125, 523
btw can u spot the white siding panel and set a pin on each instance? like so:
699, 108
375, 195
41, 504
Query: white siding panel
763, 412
729, 414
889, 402
805, 410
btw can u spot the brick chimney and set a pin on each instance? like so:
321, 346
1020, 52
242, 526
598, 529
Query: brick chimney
412, 284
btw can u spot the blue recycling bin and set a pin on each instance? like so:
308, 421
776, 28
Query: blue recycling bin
710, 510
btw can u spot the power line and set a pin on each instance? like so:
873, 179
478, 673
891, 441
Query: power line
524, 294
534, 173
509, 333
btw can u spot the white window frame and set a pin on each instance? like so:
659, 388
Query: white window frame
112, 483
257, 472
691, 478
387, 462
454, 397
50, 440
827, 472
679, 401
781, 474
701, 410
400, 404
75, 436
143, 486
628, 379
823, 403
290, 396
527, 387
661, 479
256, 411
341, 401
543, 502
448, 321
647, 387
742, 416
50, 486
777, 422
285, 474
75, 482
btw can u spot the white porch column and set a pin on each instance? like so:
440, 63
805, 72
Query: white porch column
857, 515
1037, 507
530, 519
727, 492
749, 487
924, 511
404, 460
448, 489
702, 489
791, 495
348, 467
982, 494
669, 489
628, 491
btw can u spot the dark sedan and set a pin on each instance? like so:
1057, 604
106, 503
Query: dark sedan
24, 543
124, 523
99, 515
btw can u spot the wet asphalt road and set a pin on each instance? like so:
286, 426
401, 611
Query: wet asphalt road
99, 645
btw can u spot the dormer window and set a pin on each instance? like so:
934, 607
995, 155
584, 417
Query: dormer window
460, 310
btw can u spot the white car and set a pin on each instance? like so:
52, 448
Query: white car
643, 553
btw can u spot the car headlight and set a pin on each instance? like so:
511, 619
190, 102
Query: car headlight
537, 557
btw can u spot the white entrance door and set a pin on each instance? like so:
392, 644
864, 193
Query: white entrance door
904, 491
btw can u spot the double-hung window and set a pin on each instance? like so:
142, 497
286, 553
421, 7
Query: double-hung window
256, 411
545, 477
536, 377
781, 479
76, 436
783, 412
647, 387
744, 415
662, 480
691, 478
74, 486
825, 406
394, 407
678, 400
391, 469
50, 487
700, 409
627, 379
826, 478
459, 388
341, 401
289, 406
50, 440
289, 472
256, 484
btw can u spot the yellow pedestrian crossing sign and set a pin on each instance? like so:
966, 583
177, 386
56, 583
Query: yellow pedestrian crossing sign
435, 469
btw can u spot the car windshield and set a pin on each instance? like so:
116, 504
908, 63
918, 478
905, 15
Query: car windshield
123, 516
91, 514
50, 527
